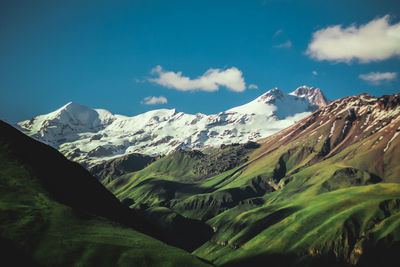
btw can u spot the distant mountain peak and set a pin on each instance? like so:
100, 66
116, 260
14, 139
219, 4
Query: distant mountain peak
313, 94
72, 105
305, 90
74, 113
275, 91
271, 95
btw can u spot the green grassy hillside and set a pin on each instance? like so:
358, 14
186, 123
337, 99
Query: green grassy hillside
342, 225
321, 192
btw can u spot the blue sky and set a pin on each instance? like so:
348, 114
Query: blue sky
102, 53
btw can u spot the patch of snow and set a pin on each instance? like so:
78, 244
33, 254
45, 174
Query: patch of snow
332, 129
390, 141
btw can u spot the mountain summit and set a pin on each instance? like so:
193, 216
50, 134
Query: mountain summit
314, 95
281, 105
91, 135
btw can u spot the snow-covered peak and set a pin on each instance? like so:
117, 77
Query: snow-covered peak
277, 103
77, 114
159, 114
313, 94
70, 119
81, 115
92, 135
271, 96
73, 106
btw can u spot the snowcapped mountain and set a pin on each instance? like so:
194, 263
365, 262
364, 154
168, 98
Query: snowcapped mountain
280, 105
92, 135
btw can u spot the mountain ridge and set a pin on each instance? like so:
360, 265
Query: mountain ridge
93, 135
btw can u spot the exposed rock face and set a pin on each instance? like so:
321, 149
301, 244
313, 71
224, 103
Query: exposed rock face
227, 158
315, 95
101, 151
113, 168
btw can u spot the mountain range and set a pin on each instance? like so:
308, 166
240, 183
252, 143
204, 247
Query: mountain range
91, 136
323, 190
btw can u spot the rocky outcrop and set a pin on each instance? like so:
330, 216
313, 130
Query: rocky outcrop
109, 170
224, 159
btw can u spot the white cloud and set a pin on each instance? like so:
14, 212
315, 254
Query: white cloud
314, 72
253, 86
153, 100
374, 41
287, 44
377, 77
210, 81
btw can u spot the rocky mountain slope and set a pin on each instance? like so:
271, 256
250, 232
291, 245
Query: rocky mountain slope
108, 170
324, 191
90, 136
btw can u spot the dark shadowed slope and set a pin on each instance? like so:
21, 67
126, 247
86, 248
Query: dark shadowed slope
53, 213
65, 181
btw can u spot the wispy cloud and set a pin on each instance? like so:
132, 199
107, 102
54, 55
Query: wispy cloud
287, 44
378, 77
210, 81
154, 100
278, 32
253, 86
377, 40
140, 80
314, 72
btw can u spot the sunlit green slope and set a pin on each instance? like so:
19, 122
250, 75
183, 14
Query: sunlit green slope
322, 190
349, 226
